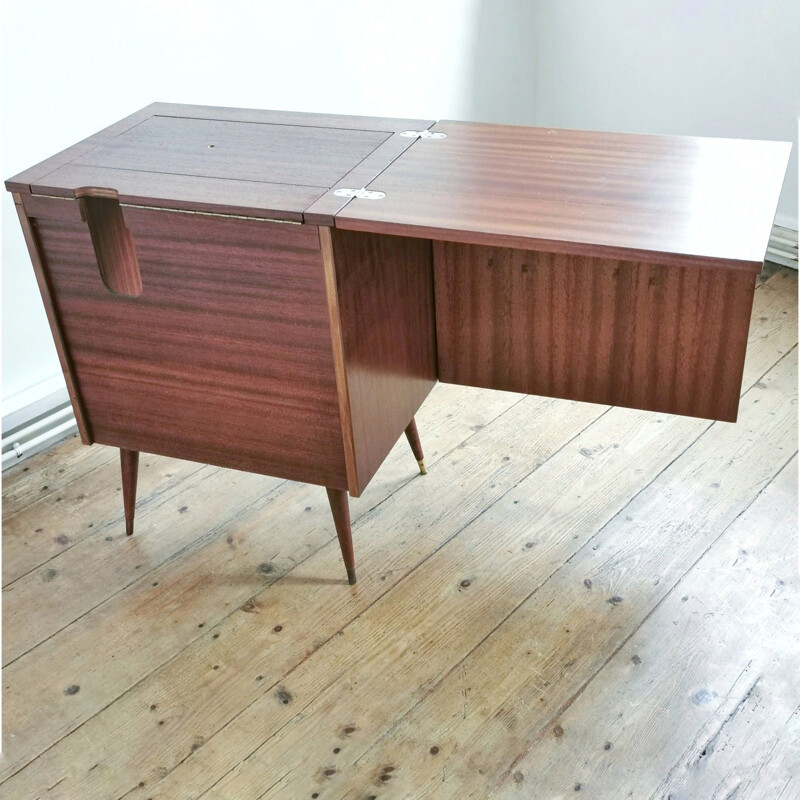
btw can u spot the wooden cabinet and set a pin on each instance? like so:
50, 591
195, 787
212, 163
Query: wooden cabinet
278, 292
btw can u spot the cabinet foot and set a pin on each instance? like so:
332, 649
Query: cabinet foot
340, 508
129, 460
413, 439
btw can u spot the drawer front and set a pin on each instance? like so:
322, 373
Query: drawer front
661, 338
224, 358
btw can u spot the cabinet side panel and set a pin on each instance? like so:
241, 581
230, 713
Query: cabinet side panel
70, 378
385, 292
660, 338
225, 358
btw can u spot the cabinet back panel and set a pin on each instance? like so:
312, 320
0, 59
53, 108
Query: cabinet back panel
661, 338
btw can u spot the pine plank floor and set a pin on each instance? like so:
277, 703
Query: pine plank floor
576, 601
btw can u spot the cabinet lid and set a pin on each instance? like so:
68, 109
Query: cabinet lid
237, 161
628, 196
670, 199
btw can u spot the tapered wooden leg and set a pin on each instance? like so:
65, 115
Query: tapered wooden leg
340, 507
130, 471
413, 439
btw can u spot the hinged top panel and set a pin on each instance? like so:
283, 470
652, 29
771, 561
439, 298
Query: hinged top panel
657, 198
298, 155
237, 161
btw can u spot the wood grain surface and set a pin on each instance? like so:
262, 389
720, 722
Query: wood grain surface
113, 246
337, 344
324, 210
56, 328
236, 161
312, 119
654, 198
627, 196
225, 357
184, 192
299, 155
340, 509
129, 466
385, 297
22, 181
647, 336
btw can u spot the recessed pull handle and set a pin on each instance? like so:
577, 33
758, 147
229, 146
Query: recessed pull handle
112, 241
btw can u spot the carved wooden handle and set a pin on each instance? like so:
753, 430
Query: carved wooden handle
112, 241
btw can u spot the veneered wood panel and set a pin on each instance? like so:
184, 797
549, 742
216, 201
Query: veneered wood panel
225, 357
385, 298
185, 192
249, 162
335, 319
264, 152
661, 338
113, 246
324, 210
628, 196
345, 121
21, 182
46, 291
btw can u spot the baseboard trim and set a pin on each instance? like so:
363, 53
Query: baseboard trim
782, 248
34, 427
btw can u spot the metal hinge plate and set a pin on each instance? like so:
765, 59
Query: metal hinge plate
361, 194
423, 134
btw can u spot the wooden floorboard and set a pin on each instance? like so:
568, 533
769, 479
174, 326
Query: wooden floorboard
504, 578
49, 472
488, 648
673, 687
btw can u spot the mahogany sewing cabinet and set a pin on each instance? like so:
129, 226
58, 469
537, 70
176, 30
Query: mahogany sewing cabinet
278, 292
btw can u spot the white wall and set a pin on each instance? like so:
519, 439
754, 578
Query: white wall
70, 69
703, 67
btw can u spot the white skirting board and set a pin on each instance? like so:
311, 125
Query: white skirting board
35, 420
42, 416
783, 247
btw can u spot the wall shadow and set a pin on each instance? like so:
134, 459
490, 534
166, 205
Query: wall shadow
502, 85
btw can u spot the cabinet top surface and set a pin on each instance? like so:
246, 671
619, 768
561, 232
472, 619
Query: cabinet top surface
620, 195
624, 195
236, 161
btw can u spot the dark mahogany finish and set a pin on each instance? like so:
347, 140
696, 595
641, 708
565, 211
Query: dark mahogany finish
384, 291
340, 508
614, 195
662, 338
22, 181
224, 358
46, 292
412, 434
187, 192
262, 152
111, 239
211, 298
129, 461
323, 211
275, 164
